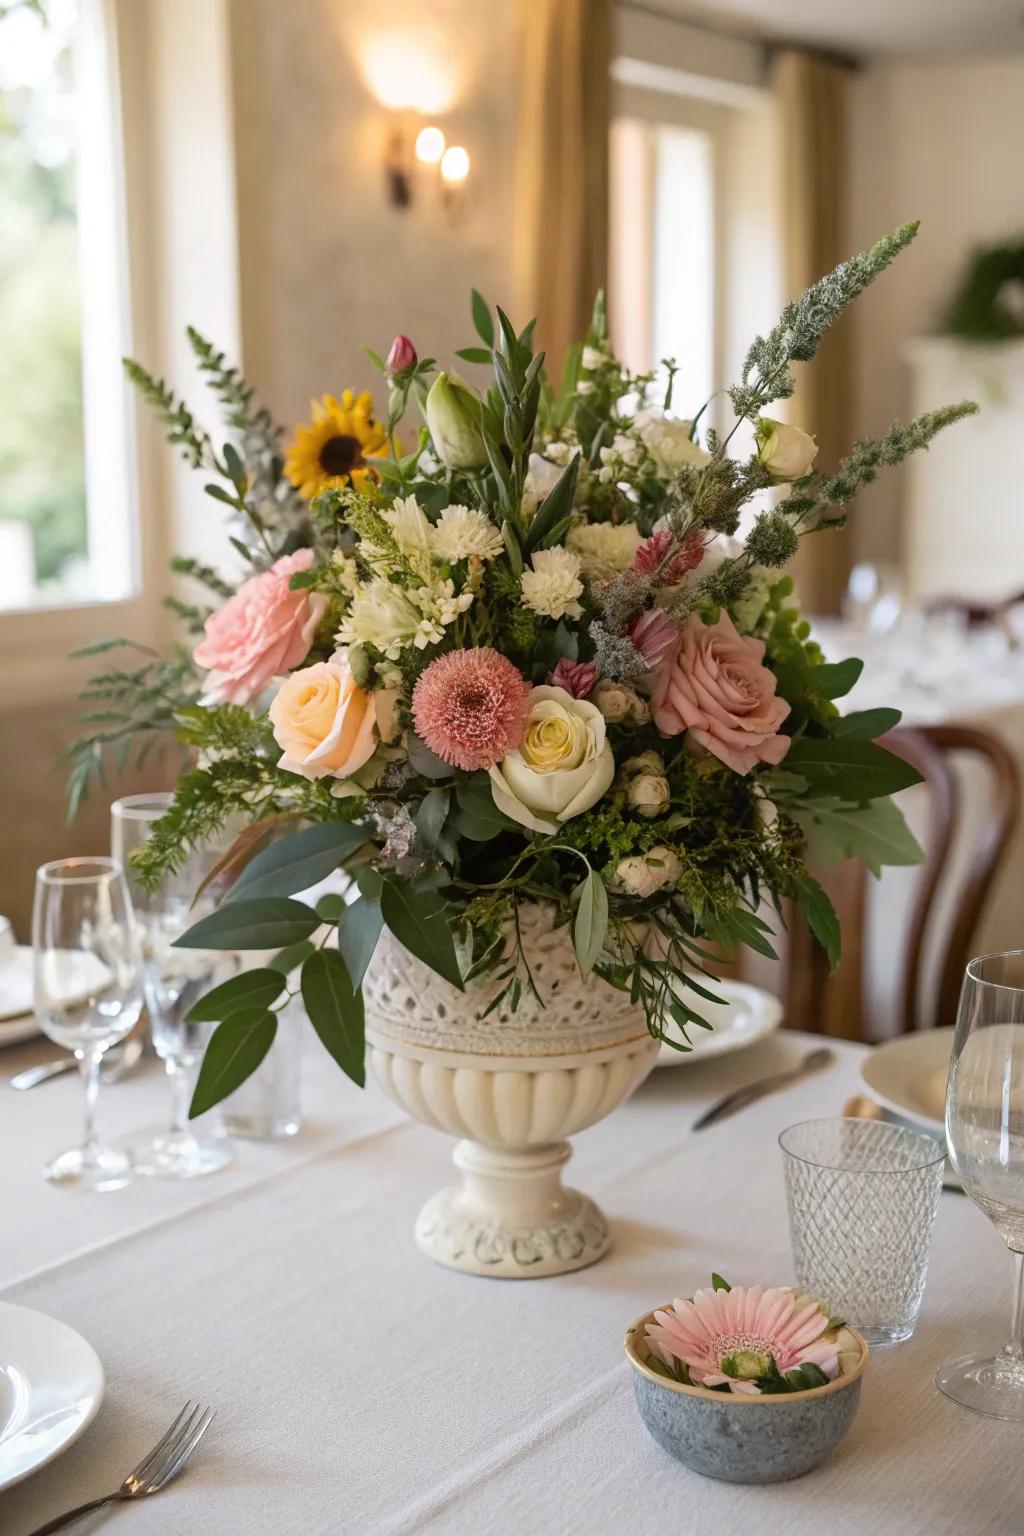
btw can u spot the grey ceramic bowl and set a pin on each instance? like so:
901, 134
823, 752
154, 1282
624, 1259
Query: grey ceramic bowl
743, 1439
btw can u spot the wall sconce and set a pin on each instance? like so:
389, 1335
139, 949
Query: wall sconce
411, 164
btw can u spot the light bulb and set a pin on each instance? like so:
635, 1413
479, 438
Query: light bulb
454, 164
429, 145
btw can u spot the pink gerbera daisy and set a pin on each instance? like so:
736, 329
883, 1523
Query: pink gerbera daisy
732, 1337
470, 707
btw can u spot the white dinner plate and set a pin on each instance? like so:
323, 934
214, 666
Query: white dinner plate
25, 1027
74, 974
746, 1015
51, 1384
908, 1075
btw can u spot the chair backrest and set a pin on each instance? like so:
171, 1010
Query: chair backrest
835, 1005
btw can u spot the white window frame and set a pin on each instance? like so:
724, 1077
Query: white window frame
163, 251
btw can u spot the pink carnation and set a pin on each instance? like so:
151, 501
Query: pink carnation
470, 707
576, 677
655, 636
718, 689
264, 630
650, 559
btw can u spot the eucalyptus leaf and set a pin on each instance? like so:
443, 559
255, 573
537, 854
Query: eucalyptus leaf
417, 920
335, 1009
291, 957
251, 989
299, 860
590, 923
423, 761
236, 1048
269, 923
358, 931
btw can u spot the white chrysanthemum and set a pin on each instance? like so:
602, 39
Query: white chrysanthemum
438, 606
463, 531
411, 528
604, 548
381, 615
347, 571
553, 585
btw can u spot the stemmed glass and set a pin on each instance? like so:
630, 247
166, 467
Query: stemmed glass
88, 991
174, 980
985, 1132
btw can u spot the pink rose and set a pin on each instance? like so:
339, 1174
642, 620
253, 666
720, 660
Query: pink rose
261, 632
719, 690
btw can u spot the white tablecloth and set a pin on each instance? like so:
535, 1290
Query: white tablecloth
361, 1390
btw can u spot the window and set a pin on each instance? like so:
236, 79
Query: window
662, 281
66, 536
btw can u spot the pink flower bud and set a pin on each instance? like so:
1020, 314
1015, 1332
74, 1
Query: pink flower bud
402, 356
576, 677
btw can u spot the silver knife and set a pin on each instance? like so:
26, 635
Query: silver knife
815, 1061
116, 1063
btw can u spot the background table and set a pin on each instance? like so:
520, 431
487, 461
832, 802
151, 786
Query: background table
361, 1390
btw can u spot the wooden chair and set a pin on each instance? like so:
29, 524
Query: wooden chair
835, 1005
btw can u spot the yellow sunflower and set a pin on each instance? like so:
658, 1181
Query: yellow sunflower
331, 451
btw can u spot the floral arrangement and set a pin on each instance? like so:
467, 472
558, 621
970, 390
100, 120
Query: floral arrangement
749, 1341
541, 648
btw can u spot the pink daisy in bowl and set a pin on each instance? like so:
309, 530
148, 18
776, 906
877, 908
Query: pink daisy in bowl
740, 1337
470, 707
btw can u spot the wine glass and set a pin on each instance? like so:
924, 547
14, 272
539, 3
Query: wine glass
985, 1132
88, 991
174, 980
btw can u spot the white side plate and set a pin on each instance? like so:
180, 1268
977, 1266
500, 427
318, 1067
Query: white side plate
51, 1385
747, 1014
909, 1075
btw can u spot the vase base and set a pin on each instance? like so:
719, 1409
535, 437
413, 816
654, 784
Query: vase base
511, 1217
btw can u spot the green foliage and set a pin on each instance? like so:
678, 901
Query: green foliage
271, 922
418, 920
876, 833
766, 374
982, 309
590, 923
251, 989
298, 860
807, 505
179, 424
335, 1009
236, 1048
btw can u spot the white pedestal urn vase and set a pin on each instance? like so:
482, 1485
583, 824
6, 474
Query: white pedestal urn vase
513, 1087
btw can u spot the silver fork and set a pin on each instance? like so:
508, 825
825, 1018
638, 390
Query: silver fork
154, 1471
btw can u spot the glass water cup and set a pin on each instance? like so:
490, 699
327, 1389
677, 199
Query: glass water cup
862, 1197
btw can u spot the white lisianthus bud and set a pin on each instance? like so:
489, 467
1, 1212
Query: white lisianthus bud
646, 873
648, 794
453, 416
787, 452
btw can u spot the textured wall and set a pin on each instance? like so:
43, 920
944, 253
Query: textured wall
326, 263
942, 143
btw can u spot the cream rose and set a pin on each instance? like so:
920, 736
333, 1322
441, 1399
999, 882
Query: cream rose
324, 723
648, 794
786, 452
645, 873
619, 701
562, 766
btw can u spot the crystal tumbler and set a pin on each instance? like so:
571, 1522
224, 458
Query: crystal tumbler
862, 1197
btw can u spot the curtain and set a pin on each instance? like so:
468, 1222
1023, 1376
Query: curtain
811, 93
562, 192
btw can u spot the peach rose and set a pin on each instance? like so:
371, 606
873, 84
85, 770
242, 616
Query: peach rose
324, 723
264, 630
719, 690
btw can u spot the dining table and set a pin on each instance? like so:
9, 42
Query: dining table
361, 1390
